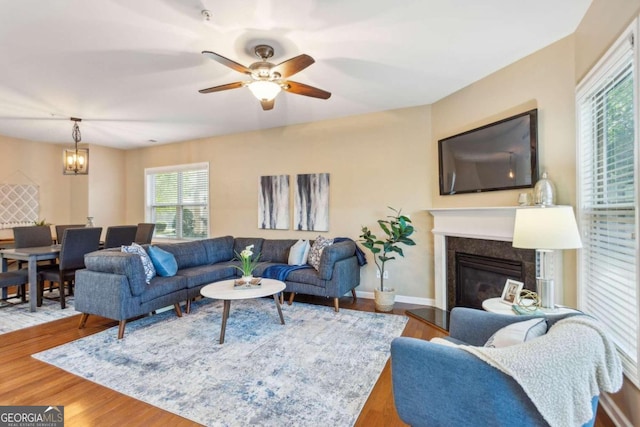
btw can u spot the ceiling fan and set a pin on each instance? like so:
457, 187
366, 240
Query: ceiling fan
267, 79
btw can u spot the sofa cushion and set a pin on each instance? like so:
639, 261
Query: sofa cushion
205, 274
188, 254
147, 264
309, 276
240, 243
517, 333
276, 250
218, 249
161, 286
315, 253
163, 261
299, 252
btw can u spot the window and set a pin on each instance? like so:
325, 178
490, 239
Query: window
178, 200
607, 119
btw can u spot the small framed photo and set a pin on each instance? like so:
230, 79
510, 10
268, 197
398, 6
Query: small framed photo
511, 292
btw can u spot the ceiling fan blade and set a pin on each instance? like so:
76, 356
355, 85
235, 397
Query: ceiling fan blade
293, 65
222, 87
226, 61
268, 105
306, 90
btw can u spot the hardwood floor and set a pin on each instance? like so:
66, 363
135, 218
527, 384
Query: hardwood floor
27, 381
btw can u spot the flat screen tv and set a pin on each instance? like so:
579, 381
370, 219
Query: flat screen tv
498, 156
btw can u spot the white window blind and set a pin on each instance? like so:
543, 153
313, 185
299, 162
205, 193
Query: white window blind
608, 194
178, 200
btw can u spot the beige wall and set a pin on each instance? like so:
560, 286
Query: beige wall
543, 80
27, 162
107, 180
67, 199
602, 24
374, 161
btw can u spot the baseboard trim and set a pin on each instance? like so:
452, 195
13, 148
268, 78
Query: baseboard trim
613, 411
400, 298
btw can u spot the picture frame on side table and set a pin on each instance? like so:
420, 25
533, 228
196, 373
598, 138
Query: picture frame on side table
511, 291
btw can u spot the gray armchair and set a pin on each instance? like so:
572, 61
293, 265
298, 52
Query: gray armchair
443, 385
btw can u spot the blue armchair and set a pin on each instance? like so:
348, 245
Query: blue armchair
440, 385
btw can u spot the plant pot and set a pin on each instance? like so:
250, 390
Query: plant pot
384, 299
247, 279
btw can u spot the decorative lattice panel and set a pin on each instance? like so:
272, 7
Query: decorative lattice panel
19, 204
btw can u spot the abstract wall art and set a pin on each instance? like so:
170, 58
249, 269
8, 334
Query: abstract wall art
273, 202
311, 211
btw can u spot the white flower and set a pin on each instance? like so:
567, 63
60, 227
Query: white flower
247, 252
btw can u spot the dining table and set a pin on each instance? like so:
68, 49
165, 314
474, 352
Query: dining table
32, 256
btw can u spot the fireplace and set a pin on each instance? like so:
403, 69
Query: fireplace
479, 277
483, 231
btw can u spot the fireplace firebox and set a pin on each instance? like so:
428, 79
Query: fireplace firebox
480, 277
477, 269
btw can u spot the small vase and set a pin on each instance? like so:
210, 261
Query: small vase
89, 222
385, 299
247, 279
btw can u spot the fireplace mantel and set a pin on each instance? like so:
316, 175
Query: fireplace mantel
477, 223
489, 223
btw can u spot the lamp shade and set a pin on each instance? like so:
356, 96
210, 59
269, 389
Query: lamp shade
547, 227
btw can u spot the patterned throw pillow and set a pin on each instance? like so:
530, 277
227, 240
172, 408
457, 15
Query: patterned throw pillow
149, 269
517, 333
315, 253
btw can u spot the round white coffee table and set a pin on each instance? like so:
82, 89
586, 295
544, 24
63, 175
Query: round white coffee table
226, 291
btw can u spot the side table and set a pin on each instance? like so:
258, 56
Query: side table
494, 305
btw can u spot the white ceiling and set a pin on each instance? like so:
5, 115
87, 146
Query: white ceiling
131, 69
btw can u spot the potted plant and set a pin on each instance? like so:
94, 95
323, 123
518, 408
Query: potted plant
397, 229
248, 263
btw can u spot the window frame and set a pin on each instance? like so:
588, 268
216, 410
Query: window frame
596, 79
150, 173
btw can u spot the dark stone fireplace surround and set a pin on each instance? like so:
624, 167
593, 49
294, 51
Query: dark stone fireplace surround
486, 248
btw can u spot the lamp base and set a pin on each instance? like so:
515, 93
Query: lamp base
546, 292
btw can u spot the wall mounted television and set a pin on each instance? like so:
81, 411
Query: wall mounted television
498, 156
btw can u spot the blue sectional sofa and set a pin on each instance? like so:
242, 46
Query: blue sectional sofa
113, 283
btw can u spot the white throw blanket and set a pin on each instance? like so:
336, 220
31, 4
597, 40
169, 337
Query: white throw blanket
562, 370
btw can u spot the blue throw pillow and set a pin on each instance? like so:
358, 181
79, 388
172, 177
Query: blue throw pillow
164, 262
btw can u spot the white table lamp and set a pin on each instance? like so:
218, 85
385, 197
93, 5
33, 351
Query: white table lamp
545, 229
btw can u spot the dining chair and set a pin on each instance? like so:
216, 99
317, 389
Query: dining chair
144, 233
76, 242
18, 278
60, 230
32, 236
119, 235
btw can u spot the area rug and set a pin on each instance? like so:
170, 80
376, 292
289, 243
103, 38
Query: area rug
317, 369
15, 314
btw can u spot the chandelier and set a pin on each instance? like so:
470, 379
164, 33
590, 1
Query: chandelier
76, 161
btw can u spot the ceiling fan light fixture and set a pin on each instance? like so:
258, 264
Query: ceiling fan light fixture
264, 90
